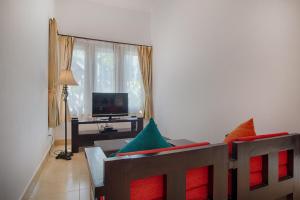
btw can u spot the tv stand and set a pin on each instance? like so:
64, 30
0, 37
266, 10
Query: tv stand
108, 129
87, 138
110, 118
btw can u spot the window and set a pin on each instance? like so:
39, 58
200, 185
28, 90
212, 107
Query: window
105, 67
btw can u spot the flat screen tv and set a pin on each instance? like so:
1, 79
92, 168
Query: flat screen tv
110, 104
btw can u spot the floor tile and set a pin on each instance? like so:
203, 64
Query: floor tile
85, 194
63, 180
72, 195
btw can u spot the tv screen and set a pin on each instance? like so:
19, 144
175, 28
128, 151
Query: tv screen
110, 104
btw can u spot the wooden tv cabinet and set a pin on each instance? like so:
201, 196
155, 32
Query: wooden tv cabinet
87, 138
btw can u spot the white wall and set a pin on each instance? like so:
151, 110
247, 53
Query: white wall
103, 20
139, 5
219, 62
24, 136
116, 20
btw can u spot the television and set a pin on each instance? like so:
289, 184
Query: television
110, 104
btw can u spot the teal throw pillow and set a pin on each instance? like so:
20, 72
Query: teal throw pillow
149, 138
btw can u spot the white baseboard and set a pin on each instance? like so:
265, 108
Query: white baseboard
32, 183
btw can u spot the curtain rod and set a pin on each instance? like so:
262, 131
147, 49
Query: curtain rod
86, 38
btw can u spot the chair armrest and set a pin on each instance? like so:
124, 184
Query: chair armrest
95, 157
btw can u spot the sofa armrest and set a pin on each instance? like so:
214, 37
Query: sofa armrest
95, 157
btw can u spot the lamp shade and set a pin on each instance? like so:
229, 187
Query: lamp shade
66, 78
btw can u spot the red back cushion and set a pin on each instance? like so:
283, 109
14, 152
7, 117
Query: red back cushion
283, 158
256, 178
282, 164
197, 181
256, 163
152, 188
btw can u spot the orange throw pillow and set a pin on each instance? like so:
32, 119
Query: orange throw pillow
243, 130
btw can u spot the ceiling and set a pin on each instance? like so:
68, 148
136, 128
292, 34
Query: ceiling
139, 5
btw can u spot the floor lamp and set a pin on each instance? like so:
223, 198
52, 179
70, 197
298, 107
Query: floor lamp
66, 79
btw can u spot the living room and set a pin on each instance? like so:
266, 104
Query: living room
211, 66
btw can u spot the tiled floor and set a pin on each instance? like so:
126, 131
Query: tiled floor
63, 180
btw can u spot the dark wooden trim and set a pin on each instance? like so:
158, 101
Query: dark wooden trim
95, 157
296, 194
140, 124
83, 140
114, 181
101, 121
75, 140
269, 148
119, 172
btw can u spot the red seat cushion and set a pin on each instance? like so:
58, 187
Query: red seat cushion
197, 181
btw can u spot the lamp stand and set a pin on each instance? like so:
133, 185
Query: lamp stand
65, 154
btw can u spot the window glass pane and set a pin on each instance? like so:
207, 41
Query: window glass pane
105, 70
76, 93
133, 83
105, 67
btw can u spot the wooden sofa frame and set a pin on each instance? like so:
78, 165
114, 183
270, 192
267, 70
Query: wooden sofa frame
111, 177
273, 187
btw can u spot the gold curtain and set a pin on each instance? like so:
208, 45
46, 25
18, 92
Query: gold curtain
145, 59
53, 70
66, 45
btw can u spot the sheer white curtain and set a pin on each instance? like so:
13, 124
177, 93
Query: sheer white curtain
105, 67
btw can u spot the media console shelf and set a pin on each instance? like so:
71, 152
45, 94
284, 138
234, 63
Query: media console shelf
87, 138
